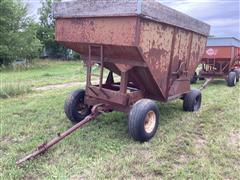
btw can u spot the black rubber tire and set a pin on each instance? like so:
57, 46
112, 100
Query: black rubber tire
232, 79
237, 71
194, 79
136, 120
192, 101
72, 102
201, 78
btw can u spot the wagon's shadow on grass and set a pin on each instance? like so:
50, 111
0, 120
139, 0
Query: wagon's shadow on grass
214, 82
218, 82
170, 111
109, 132
115, 124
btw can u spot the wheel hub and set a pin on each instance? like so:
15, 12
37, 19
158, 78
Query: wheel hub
82, 108
150, 121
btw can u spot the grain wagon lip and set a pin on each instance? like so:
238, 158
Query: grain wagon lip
128, 15
152, 10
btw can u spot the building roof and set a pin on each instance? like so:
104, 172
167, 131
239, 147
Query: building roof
223, 41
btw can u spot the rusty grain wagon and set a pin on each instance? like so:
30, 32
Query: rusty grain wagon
221, 60
153, 49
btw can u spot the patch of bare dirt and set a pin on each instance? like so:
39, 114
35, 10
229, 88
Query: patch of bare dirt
57, 86
6, 139
234, 139
183, 159
62, 86
200, 142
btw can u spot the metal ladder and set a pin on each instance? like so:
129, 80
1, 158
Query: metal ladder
91, 62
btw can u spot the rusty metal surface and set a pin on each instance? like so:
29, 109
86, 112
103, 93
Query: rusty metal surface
155, 44
221, 52
172, 55
149, 9
106, 94
109, 31
157, 58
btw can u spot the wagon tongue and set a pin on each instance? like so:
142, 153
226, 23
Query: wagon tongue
96, 110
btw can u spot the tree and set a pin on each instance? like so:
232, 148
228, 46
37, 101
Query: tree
17, 32
46, 31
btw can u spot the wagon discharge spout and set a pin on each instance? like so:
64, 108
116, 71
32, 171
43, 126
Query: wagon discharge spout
96, 110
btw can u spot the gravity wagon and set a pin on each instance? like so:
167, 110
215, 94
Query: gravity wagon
222, 60
135, 52
138, 51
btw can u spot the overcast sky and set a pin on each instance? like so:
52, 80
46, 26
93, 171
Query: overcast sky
222, 15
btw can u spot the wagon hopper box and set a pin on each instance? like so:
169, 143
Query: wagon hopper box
154, 50
222, 60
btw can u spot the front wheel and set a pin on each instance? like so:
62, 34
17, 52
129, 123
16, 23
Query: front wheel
201, 78
194, 79
232, 79
192, 100
143, 120
237, 71
74, 106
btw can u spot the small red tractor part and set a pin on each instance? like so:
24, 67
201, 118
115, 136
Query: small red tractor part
152, 49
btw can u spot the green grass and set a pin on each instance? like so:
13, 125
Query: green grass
45, 73
14, 89
201, 145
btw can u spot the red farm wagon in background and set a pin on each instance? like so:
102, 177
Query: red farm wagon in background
221, 60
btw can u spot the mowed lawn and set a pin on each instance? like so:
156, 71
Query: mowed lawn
201, 145
45, 72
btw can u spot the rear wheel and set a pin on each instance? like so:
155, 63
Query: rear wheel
232, 79
194, 78
237, 71
74, 106
192, 100
143, 120
201, 78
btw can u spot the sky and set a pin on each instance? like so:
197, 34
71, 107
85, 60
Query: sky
222, 15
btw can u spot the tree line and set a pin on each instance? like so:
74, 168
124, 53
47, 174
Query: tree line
23, 38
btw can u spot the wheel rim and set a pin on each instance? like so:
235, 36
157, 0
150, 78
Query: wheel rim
235, 80
150, 121
197, 103
82, 108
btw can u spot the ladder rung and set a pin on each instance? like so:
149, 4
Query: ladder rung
96, 61
95, 75
97, 46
